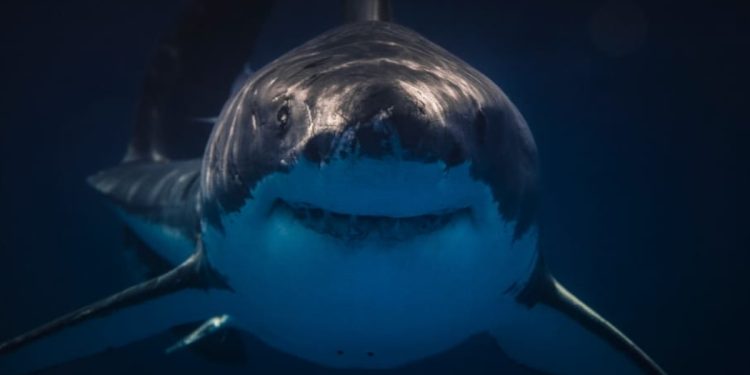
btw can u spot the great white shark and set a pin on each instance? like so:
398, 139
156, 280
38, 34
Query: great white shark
364, 201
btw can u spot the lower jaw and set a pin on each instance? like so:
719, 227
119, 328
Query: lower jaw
333, 304
354, 341
364, 357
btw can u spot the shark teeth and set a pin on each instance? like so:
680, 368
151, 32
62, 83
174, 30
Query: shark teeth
349, 227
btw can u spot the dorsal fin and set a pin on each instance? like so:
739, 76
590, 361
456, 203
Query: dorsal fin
368, 10
191, 75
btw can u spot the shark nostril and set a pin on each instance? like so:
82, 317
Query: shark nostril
370, 354
455, 156
339, 352
318, 147
376, 139
283, 119
480, 127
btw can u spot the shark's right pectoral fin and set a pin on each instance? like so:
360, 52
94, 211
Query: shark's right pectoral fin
184, 294
549, 329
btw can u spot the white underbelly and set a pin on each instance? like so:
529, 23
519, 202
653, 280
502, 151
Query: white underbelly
367, 305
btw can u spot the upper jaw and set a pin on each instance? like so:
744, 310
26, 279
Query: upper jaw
362, 198
371, 187
376, 199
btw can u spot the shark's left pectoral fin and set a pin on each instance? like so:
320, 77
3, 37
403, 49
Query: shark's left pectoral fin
187, 293
549, 329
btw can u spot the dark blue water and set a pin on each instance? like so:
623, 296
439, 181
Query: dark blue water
642, 130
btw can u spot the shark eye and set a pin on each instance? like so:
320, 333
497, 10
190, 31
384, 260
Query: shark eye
283, 117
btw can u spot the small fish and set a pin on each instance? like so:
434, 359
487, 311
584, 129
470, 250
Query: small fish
209, 327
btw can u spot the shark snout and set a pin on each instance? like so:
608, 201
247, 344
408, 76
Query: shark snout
386, 122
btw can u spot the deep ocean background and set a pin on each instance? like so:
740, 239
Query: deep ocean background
639, 109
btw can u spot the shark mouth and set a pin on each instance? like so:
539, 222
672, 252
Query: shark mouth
350, 227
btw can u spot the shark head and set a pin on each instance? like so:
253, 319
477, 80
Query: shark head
376, 91
370, 179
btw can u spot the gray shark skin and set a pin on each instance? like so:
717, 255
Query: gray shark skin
366, 200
